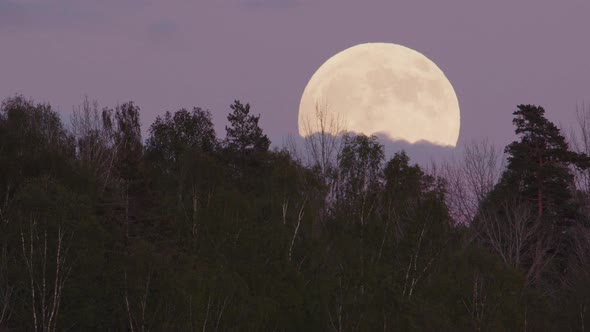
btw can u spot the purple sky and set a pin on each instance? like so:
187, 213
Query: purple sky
182, 53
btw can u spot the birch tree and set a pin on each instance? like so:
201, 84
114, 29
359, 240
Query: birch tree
48, 269
95, 140
6, 290
323, 132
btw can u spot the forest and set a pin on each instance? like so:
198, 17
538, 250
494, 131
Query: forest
102, 229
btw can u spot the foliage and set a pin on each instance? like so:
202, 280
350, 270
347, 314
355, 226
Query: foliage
190, 233
537, 178
538, 163
184, 132
244, 134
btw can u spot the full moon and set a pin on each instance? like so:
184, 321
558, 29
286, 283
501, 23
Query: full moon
382, 88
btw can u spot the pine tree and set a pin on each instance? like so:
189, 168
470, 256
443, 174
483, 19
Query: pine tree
244, 134
538, 175
538, 164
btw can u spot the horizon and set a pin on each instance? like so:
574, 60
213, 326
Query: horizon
181, 54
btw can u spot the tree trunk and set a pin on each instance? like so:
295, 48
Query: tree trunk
540, 191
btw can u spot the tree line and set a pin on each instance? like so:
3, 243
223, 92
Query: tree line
185, 231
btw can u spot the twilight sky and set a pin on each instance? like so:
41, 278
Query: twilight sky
165, 55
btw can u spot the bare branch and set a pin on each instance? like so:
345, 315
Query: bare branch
322, 134
472, 178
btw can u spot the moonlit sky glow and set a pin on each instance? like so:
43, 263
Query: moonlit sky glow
165, 55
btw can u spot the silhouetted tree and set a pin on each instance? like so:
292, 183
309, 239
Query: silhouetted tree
182, 132
33, 142
181, 147
127, 137
471, 178
538, 164
244, 134
97, 233
359, 174
538, 173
